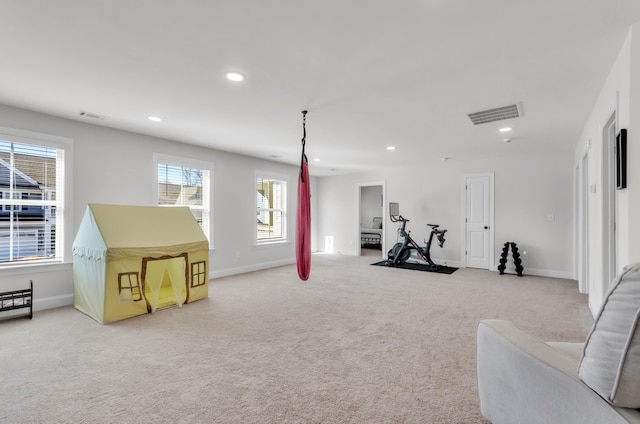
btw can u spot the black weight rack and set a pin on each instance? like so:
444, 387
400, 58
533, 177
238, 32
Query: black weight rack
17, 299
516, 258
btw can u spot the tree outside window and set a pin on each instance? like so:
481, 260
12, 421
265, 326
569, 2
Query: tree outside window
183, 182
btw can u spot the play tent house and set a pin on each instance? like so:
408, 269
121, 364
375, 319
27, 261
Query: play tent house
133, 260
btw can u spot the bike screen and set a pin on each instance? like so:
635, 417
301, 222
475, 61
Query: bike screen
394, 210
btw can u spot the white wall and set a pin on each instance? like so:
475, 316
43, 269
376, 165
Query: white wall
370, 204
527, 190
621, 91
633, 152
113, 166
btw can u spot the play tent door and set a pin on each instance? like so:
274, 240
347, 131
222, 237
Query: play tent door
165, 281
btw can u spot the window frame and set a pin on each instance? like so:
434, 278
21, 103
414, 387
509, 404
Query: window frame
131, 287
64, 204
199, 276
207, 198
284, 209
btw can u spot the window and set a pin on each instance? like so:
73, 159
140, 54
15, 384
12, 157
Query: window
129, 287
198, 273
32, 196
271, 213
185, 182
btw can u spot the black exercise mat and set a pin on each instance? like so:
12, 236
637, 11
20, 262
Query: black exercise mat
419, 267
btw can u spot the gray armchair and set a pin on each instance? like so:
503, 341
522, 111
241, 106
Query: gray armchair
523, 380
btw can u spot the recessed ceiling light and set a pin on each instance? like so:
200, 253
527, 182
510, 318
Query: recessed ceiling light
316, 159
505, 129
155, 119
391, 147
235, 76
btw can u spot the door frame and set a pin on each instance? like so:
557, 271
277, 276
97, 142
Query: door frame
581, 224
384, 214
609, 129
463, 224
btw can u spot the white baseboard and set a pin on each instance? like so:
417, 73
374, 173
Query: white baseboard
250, 268
447, 262
549, 273
52, 302
41, 304
511, 270
346, 252
539, 272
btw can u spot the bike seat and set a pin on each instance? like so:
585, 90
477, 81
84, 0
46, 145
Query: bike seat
434, 226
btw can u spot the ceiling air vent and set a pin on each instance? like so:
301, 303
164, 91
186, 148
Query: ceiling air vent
497, 114
91, 115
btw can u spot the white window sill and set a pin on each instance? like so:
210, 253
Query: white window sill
267, 244
33, 267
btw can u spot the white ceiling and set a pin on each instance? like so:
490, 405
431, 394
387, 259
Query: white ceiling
372, 73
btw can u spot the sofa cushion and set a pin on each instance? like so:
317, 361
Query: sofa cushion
610, 363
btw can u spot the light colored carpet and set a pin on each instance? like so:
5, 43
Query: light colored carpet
354, 344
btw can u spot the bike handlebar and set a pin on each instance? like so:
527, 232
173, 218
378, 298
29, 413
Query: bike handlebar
397, 218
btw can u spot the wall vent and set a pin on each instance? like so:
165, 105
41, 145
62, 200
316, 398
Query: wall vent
497, 114
91, 115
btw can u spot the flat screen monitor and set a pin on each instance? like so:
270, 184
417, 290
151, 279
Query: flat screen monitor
394, 209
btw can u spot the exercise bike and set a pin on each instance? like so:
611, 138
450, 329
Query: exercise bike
401, 251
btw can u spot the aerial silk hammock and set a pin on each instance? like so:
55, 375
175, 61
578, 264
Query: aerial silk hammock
303, 224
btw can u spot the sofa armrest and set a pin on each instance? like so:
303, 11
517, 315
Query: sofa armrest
521, 379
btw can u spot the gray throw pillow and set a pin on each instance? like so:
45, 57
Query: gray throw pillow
610, 363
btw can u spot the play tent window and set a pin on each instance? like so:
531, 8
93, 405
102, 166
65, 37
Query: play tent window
129, 287
198, 273
185, 182
271, 201
32, 181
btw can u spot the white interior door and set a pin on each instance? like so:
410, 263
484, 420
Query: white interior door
478, 220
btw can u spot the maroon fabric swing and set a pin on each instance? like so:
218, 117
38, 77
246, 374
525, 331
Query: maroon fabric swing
303, 224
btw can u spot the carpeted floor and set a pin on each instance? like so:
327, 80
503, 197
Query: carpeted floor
354, 344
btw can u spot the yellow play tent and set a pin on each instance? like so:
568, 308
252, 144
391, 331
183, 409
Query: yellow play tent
133, 260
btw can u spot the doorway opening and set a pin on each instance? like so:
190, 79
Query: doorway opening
164, 281
371, 220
